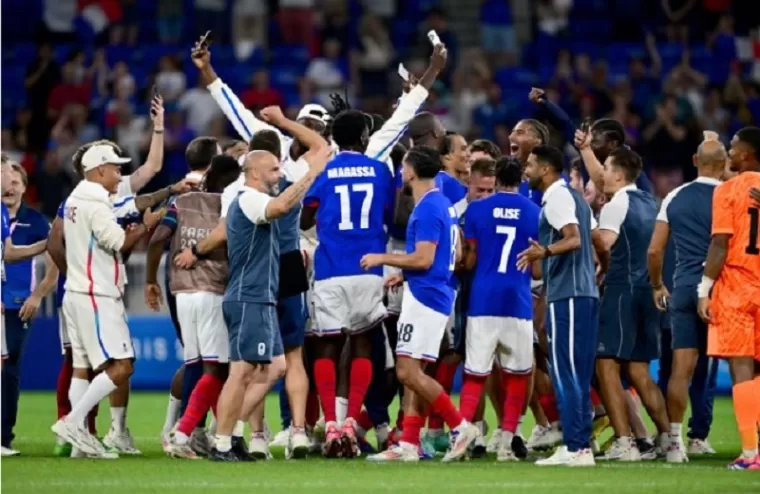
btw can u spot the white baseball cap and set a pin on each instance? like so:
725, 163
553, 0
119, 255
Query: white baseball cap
314, 111
99, 155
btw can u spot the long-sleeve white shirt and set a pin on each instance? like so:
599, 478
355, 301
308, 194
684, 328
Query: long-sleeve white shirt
93, 241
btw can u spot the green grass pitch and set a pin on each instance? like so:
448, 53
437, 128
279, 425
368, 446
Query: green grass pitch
37, 471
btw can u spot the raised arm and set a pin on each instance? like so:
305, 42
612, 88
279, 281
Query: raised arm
593, 167
153, 163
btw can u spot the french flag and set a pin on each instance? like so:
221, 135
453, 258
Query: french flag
95, 16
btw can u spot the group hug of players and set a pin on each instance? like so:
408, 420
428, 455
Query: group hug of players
423, 259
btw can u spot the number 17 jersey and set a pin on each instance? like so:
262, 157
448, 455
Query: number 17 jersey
354, 199
500, 227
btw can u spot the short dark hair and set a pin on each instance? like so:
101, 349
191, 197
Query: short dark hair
377, 121
551, 156
348, 129
540, 130
200, 151
421, 125
627, 161
484, 166
486, 146
611, 128
509, 172
751, 137
266, 140
223, 171
230, 144
397, 155
425, 161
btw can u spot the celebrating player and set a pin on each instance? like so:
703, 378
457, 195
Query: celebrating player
497, 228
432, 253
730, 288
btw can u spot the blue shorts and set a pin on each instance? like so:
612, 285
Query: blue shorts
292, 315
689, 331
254, 333
629, 324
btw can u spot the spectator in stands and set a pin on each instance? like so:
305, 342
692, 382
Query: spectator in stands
665, 140
437, 21
8, 145
75, 118
212, 15
645, 83
328, 73
384, 9
42, 75
121, 80
296, 19
169, 20
58, 21
469, 93
129, 130
177, 135
552, 16
713, 116
261, 94
722, 44
497, 29
127, 30
170, 80
679, 14
53, 184
199, 108
249, 27
335, 25
493, 112
372, 60
73, 89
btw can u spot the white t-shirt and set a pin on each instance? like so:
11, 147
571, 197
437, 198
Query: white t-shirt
201, 109
254, 203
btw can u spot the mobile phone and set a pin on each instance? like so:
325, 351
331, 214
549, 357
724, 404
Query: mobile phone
586, 125
664, 302
433, 37
403, 73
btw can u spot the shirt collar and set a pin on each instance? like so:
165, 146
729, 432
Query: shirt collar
625, 189
549, 190
708, 180
96, 190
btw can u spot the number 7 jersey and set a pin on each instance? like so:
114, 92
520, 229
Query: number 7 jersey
354, 198
500, 227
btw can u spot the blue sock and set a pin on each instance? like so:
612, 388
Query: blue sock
285, 414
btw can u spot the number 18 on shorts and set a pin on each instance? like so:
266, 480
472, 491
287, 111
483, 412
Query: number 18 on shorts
420, 329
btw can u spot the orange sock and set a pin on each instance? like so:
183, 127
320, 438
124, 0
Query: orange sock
746, 405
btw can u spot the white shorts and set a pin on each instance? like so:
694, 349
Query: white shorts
308, 246
350, 303
98, 330
420, 329
204, 333
63, 333
508, 338
395, 295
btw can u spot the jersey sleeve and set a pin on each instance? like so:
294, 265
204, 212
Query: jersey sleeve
228, 195
662, 215
381, 143
106, 231
723, 210
429, 226
170, 218
6, 228
125, 187
470, 219
254, 205
311, 199
295, 170
243, 120
560, 209
613, 213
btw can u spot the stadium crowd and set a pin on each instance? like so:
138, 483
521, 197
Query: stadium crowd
347, 252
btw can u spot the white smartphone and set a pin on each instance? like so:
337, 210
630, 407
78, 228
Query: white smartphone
433, 37
402, 72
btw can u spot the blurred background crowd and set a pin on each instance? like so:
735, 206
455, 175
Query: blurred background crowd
77, 70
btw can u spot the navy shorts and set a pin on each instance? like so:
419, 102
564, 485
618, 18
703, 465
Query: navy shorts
689, 331
629, 324
253, 331
292, 315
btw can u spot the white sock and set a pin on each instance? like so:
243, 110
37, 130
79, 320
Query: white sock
77, 389
119, 419
99, 388
239, 429
519, 424
481, 427
675, 430
223, 443
172, 414
181, 438
749, 453
341, 409
507, 437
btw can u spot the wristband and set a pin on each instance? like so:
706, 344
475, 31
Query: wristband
198, 255
704, 287
158, 131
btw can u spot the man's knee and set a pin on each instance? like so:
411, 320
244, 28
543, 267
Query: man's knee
408, 371
277, 368
119, 371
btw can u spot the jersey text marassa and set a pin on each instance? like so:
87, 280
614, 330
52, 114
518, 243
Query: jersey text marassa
351, 172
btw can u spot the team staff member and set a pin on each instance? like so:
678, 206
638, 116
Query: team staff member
21, 299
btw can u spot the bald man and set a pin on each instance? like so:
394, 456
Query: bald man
686, 215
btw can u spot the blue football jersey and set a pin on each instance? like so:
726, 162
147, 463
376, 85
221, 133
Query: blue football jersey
354, 198
500, 226
450, 187
433, 220
6, 232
